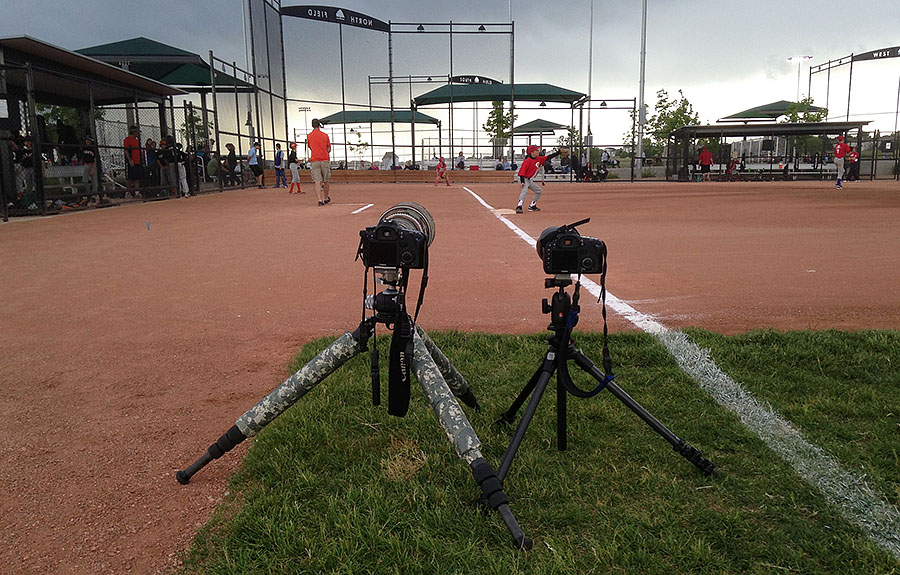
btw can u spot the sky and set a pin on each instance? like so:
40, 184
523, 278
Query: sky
724, 55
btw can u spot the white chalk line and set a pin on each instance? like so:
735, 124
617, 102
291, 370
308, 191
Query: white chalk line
859, 503
366, 207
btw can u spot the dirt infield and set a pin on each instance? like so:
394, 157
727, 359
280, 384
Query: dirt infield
134, 336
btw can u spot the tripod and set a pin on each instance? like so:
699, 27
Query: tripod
439, 379
563, 312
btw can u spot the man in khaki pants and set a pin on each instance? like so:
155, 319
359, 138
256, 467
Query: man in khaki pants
319, 162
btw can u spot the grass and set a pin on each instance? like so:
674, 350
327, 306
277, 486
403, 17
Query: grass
335, 485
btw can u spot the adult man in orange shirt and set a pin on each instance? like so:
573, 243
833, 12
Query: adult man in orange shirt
319, 163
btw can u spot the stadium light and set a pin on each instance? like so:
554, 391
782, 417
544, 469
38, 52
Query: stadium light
799, 60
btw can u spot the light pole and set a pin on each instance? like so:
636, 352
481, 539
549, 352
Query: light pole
799, 60
304, 109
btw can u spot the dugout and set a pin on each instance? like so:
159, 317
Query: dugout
35, 79
396, 116
685, 142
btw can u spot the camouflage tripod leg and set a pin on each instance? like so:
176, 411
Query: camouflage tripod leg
458, 429
280, 399
455, 380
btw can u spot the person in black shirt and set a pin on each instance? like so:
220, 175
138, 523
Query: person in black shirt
27, 197
231, 162
168, 167
89, 172
293, 165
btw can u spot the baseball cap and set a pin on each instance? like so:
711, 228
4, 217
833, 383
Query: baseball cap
531, 148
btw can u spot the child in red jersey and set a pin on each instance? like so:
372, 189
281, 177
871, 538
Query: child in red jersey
840, 152
441, 172
527, 171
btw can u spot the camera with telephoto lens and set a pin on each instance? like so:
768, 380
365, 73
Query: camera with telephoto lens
400, 239
565, 251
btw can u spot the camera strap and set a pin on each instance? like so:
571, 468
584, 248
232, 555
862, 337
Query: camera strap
422, 287
562, 373
400, 359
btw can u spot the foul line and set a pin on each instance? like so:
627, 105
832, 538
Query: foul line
859, 503
366, 207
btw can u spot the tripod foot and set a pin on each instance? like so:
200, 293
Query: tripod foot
493, 496
693, 455
505, 419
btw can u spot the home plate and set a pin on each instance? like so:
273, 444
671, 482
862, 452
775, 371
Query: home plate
504, 211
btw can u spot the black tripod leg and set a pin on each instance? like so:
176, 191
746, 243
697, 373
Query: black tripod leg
543, 377
281, 398
460, 433
509, 416
681, 446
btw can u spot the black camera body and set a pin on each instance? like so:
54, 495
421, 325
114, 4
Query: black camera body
565, 251
391, 246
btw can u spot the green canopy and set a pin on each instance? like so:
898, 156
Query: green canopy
538, 127
378, 117
497, 93
767, 112
161, 62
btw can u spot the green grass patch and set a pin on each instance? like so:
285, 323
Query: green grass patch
842, 389
336, 485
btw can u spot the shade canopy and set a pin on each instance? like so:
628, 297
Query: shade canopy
767, 112
74, 79
161, 62
539, 127
404, 116
784, 129
497, 93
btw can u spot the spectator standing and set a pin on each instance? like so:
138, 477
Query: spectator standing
89, 175
168, 168
253, 162
133, 167
279, 167
840, 152
151, 163
293, 164
181, 163
705, 160
231, 162
27, 197
319, 158
852, 165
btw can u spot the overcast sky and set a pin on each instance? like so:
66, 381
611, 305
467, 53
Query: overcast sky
725, 55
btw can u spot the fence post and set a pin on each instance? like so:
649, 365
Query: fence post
215, 111
38, 161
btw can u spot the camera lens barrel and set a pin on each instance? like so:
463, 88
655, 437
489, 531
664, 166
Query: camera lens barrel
411, 216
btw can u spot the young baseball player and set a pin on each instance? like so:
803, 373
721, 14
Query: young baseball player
840, 152
530, 166
441, 170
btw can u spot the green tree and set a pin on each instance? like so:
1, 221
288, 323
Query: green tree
800, 113
191, 129
571, 139
499, 126
359, 147
669, 115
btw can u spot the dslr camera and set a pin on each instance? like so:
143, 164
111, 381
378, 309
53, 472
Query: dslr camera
565, 251
400, 239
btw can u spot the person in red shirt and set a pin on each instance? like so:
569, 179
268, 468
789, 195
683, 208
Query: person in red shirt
441, 172
319, 161
840, 152
852, 165
705, 160
133, 161
527, 171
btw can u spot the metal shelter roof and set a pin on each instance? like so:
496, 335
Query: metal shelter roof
783, 129
378, 117
767, 112
539, 127
77, 77
497, 93
162, 62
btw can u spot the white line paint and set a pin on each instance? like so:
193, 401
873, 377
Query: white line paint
366, 207
860, 504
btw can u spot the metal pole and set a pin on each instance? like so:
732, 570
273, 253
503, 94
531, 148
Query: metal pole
828, 89
450, 82
37, 166
215, 111
343, 99
391, 90
849, 87
590, 65
642, 116
512, 86
371, 134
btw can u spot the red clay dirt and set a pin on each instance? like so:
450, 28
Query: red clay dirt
128, 350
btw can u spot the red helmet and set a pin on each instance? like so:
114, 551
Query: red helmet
840, 138
293, 144
531, 148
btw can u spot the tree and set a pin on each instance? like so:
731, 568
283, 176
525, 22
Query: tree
670, 114
191, 129
800, 113
572, 137
499, 126
359, 147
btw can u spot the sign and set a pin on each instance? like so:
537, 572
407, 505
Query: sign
878, 54
473, 80
337, 16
